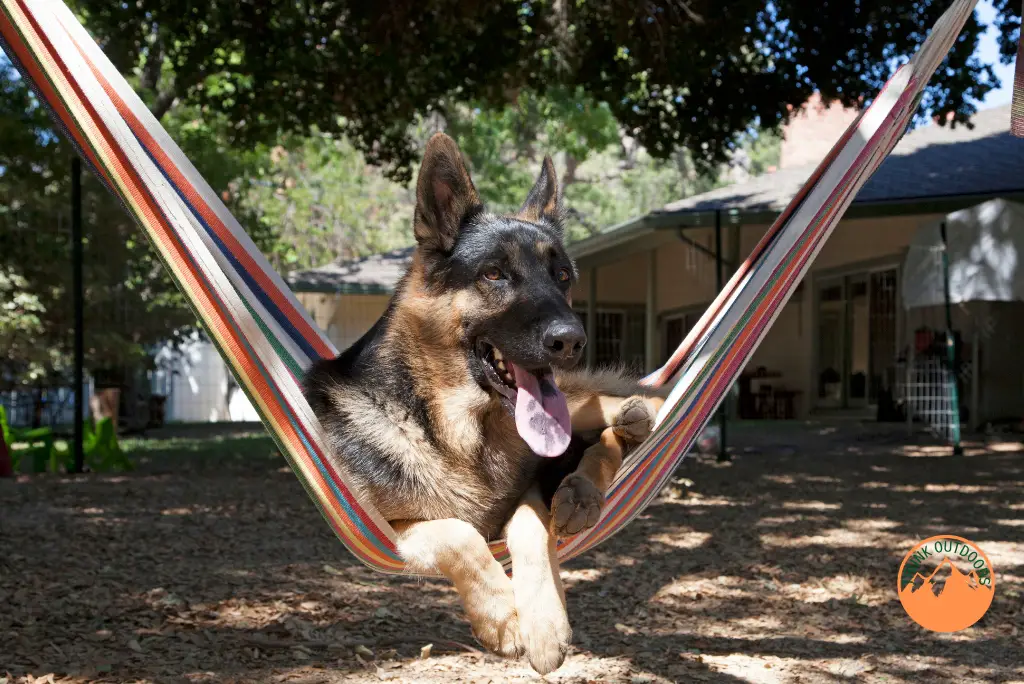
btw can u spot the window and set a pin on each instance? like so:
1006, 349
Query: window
676, 327
618, 337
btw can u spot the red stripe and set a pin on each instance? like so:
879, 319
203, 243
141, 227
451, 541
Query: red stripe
196, 200
29, 62
746, 338
175, 253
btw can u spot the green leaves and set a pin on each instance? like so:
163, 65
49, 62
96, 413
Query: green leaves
673, 75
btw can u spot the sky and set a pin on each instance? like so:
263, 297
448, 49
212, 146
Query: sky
988, 51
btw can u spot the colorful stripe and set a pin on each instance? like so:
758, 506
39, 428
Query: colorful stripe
1017, 104
268, 339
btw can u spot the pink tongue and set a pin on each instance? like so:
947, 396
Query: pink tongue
542, 416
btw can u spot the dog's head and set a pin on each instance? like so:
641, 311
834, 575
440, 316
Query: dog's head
510, 280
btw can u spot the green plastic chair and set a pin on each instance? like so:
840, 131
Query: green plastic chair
102, 451
40, 442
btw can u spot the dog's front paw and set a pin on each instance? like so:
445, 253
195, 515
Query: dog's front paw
576, 506
546, 634
636, 418
493, 619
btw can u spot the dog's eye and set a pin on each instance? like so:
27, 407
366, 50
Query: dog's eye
563, 275
493, 274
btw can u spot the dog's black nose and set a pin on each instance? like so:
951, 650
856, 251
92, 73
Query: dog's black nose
564, 341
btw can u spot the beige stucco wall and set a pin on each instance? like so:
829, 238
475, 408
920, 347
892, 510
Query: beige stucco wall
686, 281
345, 317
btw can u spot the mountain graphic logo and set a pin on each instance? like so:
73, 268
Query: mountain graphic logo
946, 583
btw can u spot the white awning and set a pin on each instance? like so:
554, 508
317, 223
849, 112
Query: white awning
986, 251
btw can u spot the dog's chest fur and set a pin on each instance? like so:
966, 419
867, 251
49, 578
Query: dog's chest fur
420, 444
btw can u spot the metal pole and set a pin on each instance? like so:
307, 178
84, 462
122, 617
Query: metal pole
591, 348
651, 314
723, 453
79, 305
954, 398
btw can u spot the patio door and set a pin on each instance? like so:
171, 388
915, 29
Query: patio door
856, 337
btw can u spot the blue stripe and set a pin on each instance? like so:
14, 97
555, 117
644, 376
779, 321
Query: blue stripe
657, 451
338, 496
305, 346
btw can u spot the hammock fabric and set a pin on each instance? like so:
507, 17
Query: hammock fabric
1017, 104
268, 339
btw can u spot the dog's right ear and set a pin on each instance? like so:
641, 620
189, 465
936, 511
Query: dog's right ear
445, 195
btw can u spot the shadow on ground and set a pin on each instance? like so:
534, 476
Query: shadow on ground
210, 564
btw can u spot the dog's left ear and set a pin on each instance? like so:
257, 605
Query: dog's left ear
445, 195
544, 203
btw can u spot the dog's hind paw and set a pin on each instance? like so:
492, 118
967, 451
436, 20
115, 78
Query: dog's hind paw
576, 506
636, 418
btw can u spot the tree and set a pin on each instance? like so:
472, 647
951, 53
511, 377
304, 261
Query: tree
321, 201
132, 304
688, 74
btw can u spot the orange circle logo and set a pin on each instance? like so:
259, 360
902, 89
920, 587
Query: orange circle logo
946, 583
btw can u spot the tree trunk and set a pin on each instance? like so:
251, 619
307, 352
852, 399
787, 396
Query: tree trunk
105, 403
571, 164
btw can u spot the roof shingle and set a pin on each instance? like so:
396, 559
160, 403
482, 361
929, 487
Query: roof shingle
931, 161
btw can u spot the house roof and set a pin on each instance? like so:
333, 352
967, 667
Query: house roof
931, 161
932, 169
377, 274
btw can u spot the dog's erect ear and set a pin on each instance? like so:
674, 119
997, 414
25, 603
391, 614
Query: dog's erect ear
544, 202
445, 195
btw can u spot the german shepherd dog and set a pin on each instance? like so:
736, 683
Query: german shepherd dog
443, 413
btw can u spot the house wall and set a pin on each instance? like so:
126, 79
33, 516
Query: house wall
685, 281
344, 317
1002, 365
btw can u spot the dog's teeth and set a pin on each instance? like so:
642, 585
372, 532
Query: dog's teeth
501, 365
497, 354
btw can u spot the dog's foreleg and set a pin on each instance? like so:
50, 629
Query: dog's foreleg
631, 415
456, 550
576, 505
540, 598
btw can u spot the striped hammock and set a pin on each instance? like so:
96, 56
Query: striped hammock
268, 339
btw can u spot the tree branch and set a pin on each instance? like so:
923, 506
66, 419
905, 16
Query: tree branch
163, 102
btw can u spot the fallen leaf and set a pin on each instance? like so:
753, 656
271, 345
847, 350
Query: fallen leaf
134, 645
424, 652
363, 651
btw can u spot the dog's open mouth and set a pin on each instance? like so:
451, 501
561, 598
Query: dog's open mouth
499, 373
539, 407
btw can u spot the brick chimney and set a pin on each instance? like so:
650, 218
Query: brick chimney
812, 130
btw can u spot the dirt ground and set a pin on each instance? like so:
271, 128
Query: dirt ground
209, 564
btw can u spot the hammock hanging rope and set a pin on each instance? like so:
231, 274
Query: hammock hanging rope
268, 339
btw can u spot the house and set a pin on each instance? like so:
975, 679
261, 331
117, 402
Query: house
843, 341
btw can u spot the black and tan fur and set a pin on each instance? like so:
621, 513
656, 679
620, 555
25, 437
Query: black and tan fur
424, 437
